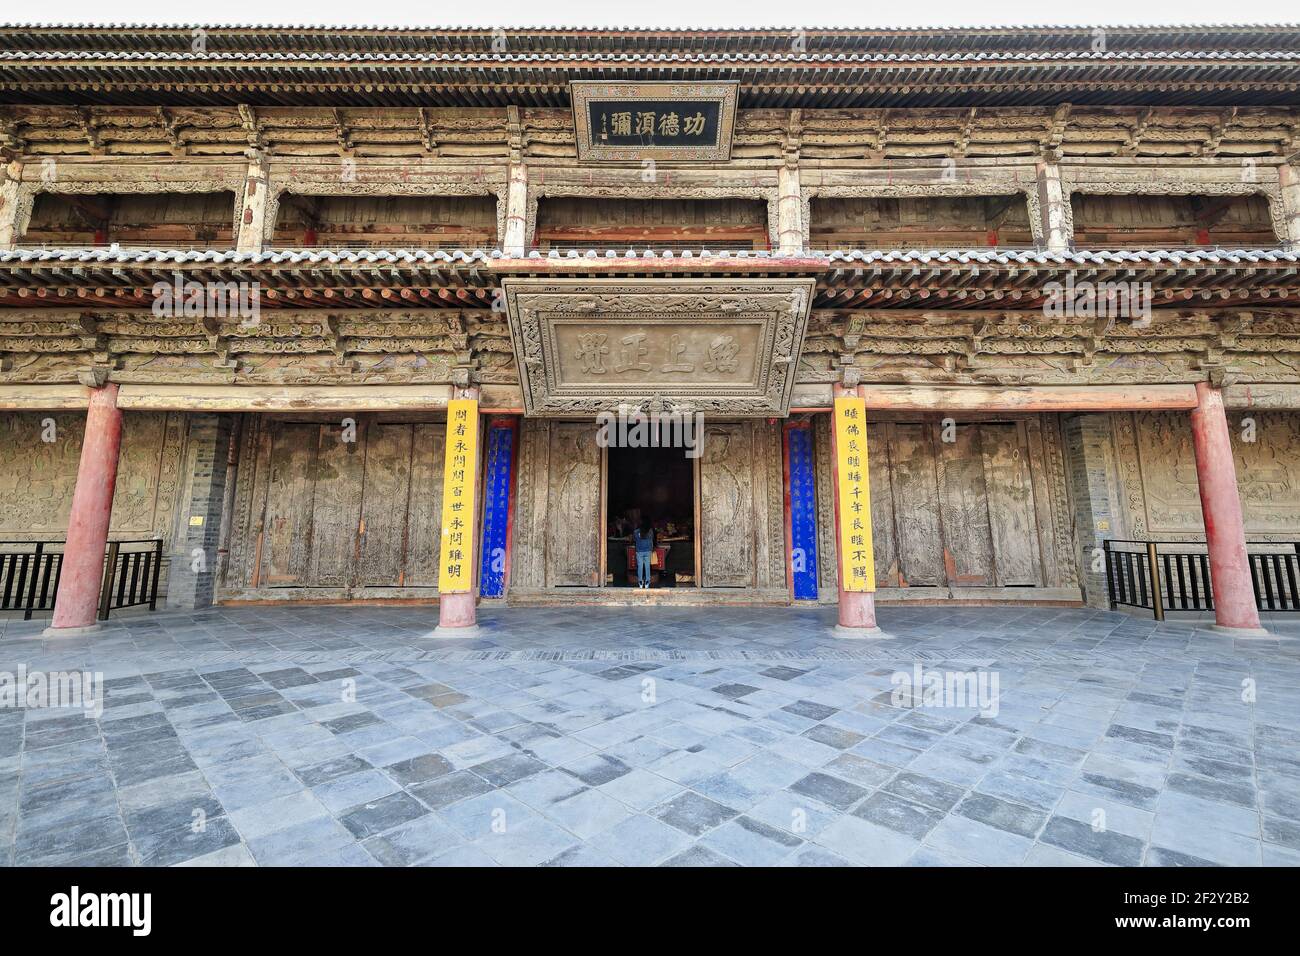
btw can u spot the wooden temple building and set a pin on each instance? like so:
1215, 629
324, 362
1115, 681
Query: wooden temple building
1050, 277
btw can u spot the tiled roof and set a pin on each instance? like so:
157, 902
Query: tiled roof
1089, 257
783, 58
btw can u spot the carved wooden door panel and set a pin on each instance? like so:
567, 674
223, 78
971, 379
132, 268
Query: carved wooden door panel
727, 506
964, 510
339, 471
573, 521
883, 539
384, 505
286, 529
424, 519
1011, 504
919, 542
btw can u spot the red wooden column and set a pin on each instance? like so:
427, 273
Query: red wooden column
857, 609
82, 573
1225, 534
457, 597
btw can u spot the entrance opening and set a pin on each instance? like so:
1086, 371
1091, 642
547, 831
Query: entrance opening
658, 484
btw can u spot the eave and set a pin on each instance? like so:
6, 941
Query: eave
952, 279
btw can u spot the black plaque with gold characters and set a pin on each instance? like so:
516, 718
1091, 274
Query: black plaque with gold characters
667, 122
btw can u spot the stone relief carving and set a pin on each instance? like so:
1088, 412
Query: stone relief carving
1158, 468
38, 477
649, 323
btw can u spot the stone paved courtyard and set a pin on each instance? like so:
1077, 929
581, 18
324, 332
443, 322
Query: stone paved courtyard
656, 736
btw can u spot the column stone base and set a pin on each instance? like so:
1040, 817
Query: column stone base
1245, 633
860, 633
57, 632
443, 633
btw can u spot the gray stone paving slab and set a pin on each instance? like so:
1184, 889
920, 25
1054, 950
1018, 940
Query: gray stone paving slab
657, 736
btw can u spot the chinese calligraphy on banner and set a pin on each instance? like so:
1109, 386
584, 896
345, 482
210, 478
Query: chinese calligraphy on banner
801, 487
456, 567
853, 488
496, 511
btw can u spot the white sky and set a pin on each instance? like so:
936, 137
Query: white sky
651, 13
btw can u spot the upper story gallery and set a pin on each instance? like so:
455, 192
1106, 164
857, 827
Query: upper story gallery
1057, 266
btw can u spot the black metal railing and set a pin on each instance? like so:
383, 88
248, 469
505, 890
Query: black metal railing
1162, 576
29, 575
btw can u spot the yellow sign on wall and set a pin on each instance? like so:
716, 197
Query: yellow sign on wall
853, 490
456, 562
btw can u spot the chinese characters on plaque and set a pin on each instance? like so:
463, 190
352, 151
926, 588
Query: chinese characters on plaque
622, 123
455, 568
853, 490
600, 353
668, 121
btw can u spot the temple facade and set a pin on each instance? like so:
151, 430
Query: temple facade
323, 315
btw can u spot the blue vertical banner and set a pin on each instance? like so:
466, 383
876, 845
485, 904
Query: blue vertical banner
496, 510
802, 493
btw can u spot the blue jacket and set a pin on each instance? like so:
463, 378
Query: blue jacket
644, 543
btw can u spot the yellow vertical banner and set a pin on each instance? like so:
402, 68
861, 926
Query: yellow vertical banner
456, 562
853, 492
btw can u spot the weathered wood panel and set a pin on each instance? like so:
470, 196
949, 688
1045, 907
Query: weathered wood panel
528, 560
964, 509
883, 537
424, 519
1010, 504
385, 503
727, 506
337, 483
287, 525
573, 507
916, 506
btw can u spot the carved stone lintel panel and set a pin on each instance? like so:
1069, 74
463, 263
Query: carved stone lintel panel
589, 345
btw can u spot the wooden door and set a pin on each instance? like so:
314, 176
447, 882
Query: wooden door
424, 519
963, 508
883, 539
336, 508
1011, 504
287, 522
384, 506
573, 520
727, 506
919, 541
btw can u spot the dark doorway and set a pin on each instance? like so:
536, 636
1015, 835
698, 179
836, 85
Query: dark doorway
657, 483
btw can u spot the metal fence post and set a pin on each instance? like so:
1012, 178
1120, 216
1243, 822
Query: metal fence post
157, 565
1157, 602
110, 572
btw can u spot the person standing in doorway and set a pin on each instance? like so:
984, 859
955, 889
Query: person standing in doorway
643, 537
